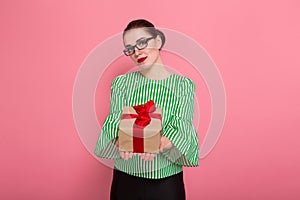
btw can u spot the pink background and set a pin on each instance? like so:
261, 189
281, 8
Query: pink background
255, 45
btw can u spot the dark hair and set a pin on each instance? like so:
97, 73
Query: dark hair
142, 23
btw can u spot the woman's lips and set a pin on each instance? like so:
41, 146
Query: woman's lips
140, 60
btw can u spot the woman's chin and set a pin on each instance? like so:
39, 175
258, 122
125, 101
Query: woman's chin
144, 66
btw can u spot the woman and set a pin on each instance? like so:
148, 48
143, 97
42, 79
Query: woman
145, 175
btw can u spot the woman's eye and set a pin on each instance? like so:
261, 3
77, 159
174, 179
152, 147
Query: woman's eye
142, 42
129, 49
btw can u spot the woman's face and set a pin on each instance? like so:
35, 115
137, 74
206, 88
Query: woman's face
145, 57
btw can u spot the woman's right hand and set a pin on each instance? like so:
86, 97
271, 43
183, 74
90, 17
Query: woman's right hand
124, 154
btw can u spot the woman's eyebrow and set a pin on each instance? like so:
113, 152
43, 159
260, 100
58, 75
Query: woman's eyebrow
140, 39
129, 45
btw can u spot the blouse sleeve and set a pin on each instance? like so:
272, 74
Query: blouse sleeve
180, 130
106, 144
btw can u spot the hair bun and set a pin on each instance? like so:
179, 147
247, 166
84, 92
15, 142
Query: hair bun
162, 36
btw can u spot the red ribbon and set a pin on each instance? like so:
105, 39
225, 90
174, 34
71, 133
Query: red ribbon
143, 118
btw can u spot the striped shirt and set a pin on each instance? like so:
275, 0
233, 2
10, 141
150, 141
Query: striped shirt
175, 96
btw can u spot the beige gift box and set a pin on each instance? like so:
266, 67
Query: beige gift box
138, 139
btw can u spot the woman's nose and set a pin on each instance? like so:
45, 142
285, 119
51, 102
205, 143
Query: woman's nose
137, 51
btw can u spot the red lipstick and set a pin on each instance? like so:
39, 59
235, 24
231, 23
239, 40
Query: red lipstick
140, 60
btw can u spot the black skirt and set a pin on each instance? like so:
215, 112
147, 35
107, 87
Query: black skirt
128, 187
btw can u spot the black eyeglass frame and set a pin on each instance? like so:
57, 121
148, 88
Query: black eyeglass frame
132, 48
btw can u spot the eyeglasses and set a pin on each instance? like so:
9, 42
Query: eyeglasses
140, 44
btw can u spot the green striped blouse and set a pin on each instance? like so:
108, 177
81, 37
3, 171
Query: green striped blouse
175, 96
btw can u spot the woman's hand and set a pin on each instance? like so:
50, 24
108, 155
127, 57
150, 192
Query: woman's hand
124, 154
147, 156
165, 144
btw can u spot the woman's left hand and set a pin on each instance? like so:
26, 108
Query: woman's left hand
165, 144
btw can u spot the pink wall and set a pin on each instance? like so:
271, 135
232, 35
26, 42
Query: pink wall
254, 44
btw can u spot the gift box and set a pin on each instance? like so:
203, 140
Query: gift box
140, 128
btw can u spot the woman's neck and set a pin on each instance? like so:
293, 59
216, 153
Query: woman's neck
156, 72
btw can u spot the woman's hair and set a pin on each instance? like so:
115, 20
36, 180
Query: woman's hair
149, 27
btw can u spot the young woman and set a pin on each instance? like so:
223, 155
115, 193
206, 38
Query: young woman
145, 175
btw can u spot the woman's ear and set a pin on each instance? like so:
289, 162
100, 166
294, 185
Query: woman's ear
158, 42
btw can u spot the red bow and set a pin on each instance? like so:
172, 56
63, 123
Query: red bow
143, 118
